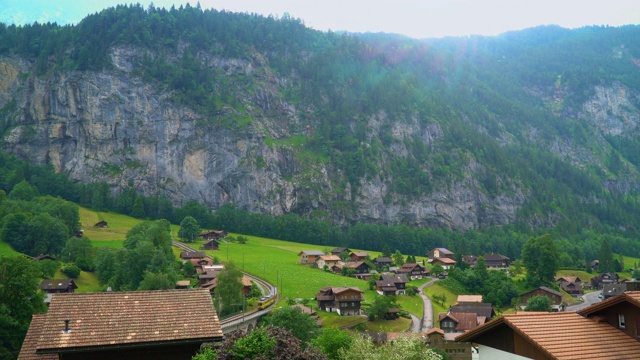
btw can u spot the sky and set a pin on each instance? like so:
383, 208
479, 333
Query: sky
414, 18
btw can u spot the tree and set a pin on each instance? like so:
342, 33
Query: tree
189, 229
47, 235
605, 256
71, 271
20, 297
16, 231
229, 288
539, 303
156, 281
386, 251
380, 307
437, 269
540, 258
439, 299
260, 343
403, 347
516, 268
79, 251
398, 259
23, 191
137, 211
331, 341
481, 268
293, 319
636, 274
47, 267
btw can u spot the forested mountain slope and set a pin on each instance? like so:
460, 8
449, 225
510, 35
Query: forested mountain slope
536, 128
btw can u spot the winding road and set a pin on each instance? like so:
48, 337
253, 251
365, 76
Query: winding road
426, 323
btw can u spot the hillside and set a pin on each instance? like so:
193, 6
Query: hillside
536, 128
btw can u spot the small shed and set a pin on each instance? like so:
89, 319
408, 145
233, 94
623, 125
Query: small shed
101, 224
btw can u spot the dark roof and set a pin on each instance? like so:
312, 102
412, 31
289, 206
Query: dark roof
382, 260
562, 335
465, 321
494, 257
609, 290
340, 249
112, 319
57, 284
390, 280
192, 255
443, 250
480, 309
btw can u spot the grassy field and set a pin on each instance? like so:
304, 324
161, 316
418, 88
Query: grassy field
86, 282
7, 250
436, 289
412, 304
333, 320
398, 325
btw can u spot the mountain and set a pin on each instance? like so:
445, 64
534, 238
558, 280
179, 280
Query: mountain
535, 128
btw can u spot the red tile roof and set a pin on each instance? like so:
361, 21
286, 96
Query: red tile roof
28, 351
565, 335
116, 318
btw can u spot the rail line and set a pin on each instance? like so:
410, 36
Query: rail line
267, 289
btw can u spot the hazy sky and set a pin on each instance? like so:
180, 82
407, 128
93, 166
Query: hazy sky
415, 18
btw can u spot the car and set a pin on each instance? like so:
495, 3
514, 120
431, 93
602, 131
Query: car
441, 276
600, 296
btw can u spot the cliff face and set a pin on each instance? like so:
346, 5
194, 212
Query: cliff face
111, 126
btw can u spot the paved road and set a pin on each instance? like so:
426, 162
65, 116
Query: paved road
588, 300
427, 318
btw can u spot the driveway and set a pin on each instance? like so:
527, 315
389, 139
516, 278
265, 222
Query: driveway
587, 300
427, 318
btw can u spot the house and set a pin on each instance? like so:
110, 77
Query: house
207, 276
246, 286
569, 279
482, 310
611, 290
604, 278
328, 260
339, 250
413, 271
382, 262
188, 255
546, 336
439, 253
496, 261
554, 296
620, 312
123, 325
200, 264
470, 259
392, 284
212, 244
361, 269
343, 300
468, 299
459, 322
101, 224
359, 256
309, 311
309, 256
436, 338
446, 263
214, 235
571, 288
57, 286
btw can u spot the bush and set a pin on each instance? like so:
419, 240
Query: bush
47, 267
71, 271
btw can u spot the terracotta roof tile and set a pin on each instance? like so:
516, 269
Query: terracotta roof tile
115, 318
28, 351
590, 339
330, 257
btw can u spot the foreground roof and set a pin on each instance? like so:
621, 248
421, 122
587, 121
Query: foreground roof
116, 318
564, 335
28, 351
632, 297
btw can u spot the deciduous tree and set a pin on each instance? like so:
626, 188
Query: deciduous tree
301, 325
540, 258
539, 303
189, 229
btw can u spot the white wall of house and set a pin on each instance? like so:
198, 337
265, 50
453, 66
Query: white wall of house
489, 353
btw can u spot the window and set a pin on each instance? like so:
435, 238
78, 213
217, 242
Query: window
621, 323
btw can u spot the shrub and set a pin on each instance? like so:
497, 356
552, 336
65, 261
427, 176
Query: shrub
71, 271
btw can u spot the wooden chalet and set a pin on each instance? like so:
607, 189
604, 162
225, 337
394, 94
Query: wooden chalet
457, 322
57, 286
213, 235
554, 296
604, 278
188, 255
101, 224
123, 325
246, 286
611, 290
342, 300
43, 257
309, 256
571, 288
439, 253
359, 256
437, 339
381, 262
469, 299
446, 263
496, 261
212, 244
339, 250
413, 271
328, 260
472, 260
392, 284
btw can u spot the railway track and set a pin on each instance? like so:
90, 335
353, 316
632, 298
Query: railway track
266, 288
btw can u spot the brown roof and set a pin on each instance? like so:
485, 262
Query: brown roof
465, 321
246, 281
469, 298
28, 351
589, 339
444, 260
330, 257
360, 254
116, 318
435, 329
632, 297
546, 289
192, 255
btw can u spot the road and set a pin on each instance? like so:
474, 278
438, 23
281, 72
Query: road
427, 318
588, 300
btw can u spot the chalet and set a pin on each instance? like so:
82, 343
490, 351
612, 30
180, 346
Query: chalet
57, 286
604, 278
188, 255
210, 286
212, 244
246, 286
496, 261
544, 336
621, 312
468, 299
343, 300
440, 253
201, 264
361, 269
472, 260
413, 271
611, 290
309, 256
571, 288
392, 284
328, 260
554, 296
101, 224
569, 279
459, 322
436, 338
214, 235
382, 262
482, 310
446, 263
359, 256
339, 250
123, 325
207, 276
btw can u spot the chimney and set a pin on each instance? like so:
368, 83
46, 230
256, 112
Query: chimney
66, 327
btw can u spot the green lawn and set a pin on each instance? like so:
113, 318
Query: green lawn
7, 250
437, 289
398, 325
86, 282
412, 304
333, 320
